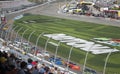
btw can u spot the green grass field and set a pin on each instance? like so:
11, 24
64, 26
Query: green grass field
73, 28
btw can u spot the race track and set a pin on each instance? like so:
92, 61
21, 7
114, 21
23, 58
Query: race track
52, 9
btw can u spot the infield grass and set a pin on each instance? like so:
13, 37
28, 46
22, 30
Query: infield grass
83, 30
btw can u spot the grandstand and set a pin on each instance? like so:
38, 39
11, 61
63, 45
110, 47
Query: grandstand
17, 62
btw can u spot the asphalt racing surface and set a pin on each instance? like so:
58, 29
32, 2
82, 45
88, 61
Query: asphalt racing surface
52, 9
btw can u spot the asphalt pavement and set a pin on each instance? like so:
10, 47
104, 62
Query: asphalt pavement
52, 9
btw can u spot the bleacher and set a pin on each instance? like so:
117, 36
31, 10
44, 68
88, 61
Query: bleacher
14, 62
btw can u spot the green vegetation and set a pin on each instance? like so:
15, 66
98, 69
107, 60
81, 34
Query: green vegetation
115, 8
83, 30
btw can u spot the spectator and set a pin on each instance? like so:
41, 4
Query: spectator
55, 72
30, 61
35, 69
29, 69
23, 66
47, 70
52, 70
12, 60
42, 69
3, 66
13, 70
18, 63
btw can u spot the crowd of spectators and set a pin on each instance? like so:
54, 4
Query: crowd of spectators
11, 64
